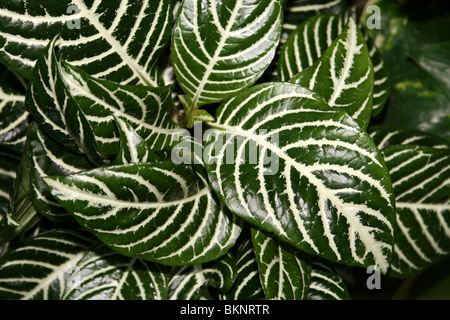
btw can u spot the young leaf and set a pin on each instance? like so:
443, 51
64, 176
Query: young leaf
161, 211
326, 284
13, 116
285, 272
146, 109
116, 40
55, 110
247, 285
420, 177
38, 268
102, 274
343, 75
219, 48
47, 157
279, 157
188, 282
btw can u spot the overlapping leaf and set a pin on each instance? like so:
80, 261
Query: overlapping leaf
21, 214
161, 211
133, 149
55, 110
47, 158
297, 11
188, 282
8, 168
279, 157
307, 43
415, 91
219, 48
146, 109
13, 116
385, 136
285, 272
247, 285
116, 40
102, 274
39, 267
326, 284
343, 75
420, 177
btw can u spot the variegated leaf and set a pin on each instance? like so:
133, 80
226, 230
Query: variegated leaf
47, 158
307, 43
279, 157
161, 211
297, 11
133, 149
55, 110
147, 110
382, 78
326, 284
219, 47
343, 75
8, 168
38, 268
13, 116
285, 272
188, 282
313, 37
385, 136
421, 181
247, 285
116, 40
189, 150
102, 274
21, 214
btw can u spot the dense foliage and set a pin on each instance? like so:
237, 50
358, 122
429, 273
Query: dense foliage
235, 150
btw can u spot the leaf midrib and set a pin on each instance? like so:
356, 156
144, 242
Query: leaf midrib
114, 43
212, 62
360, 229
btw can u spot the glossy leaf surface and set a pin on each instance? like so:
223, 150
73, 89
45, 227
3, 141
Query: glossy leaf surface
279, 157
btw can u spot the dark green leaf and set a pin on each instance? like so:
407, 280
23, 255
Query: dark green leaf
326, 284
420, 177
13, 116
38, 268
21, 215
188, 282
219, 48
161, 211
116, 40
55, 110
47, 157
279, 157
102, 274
247, 285
285, 272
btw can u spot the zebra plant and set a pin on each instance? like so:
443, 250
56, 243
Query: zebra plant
207, 149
